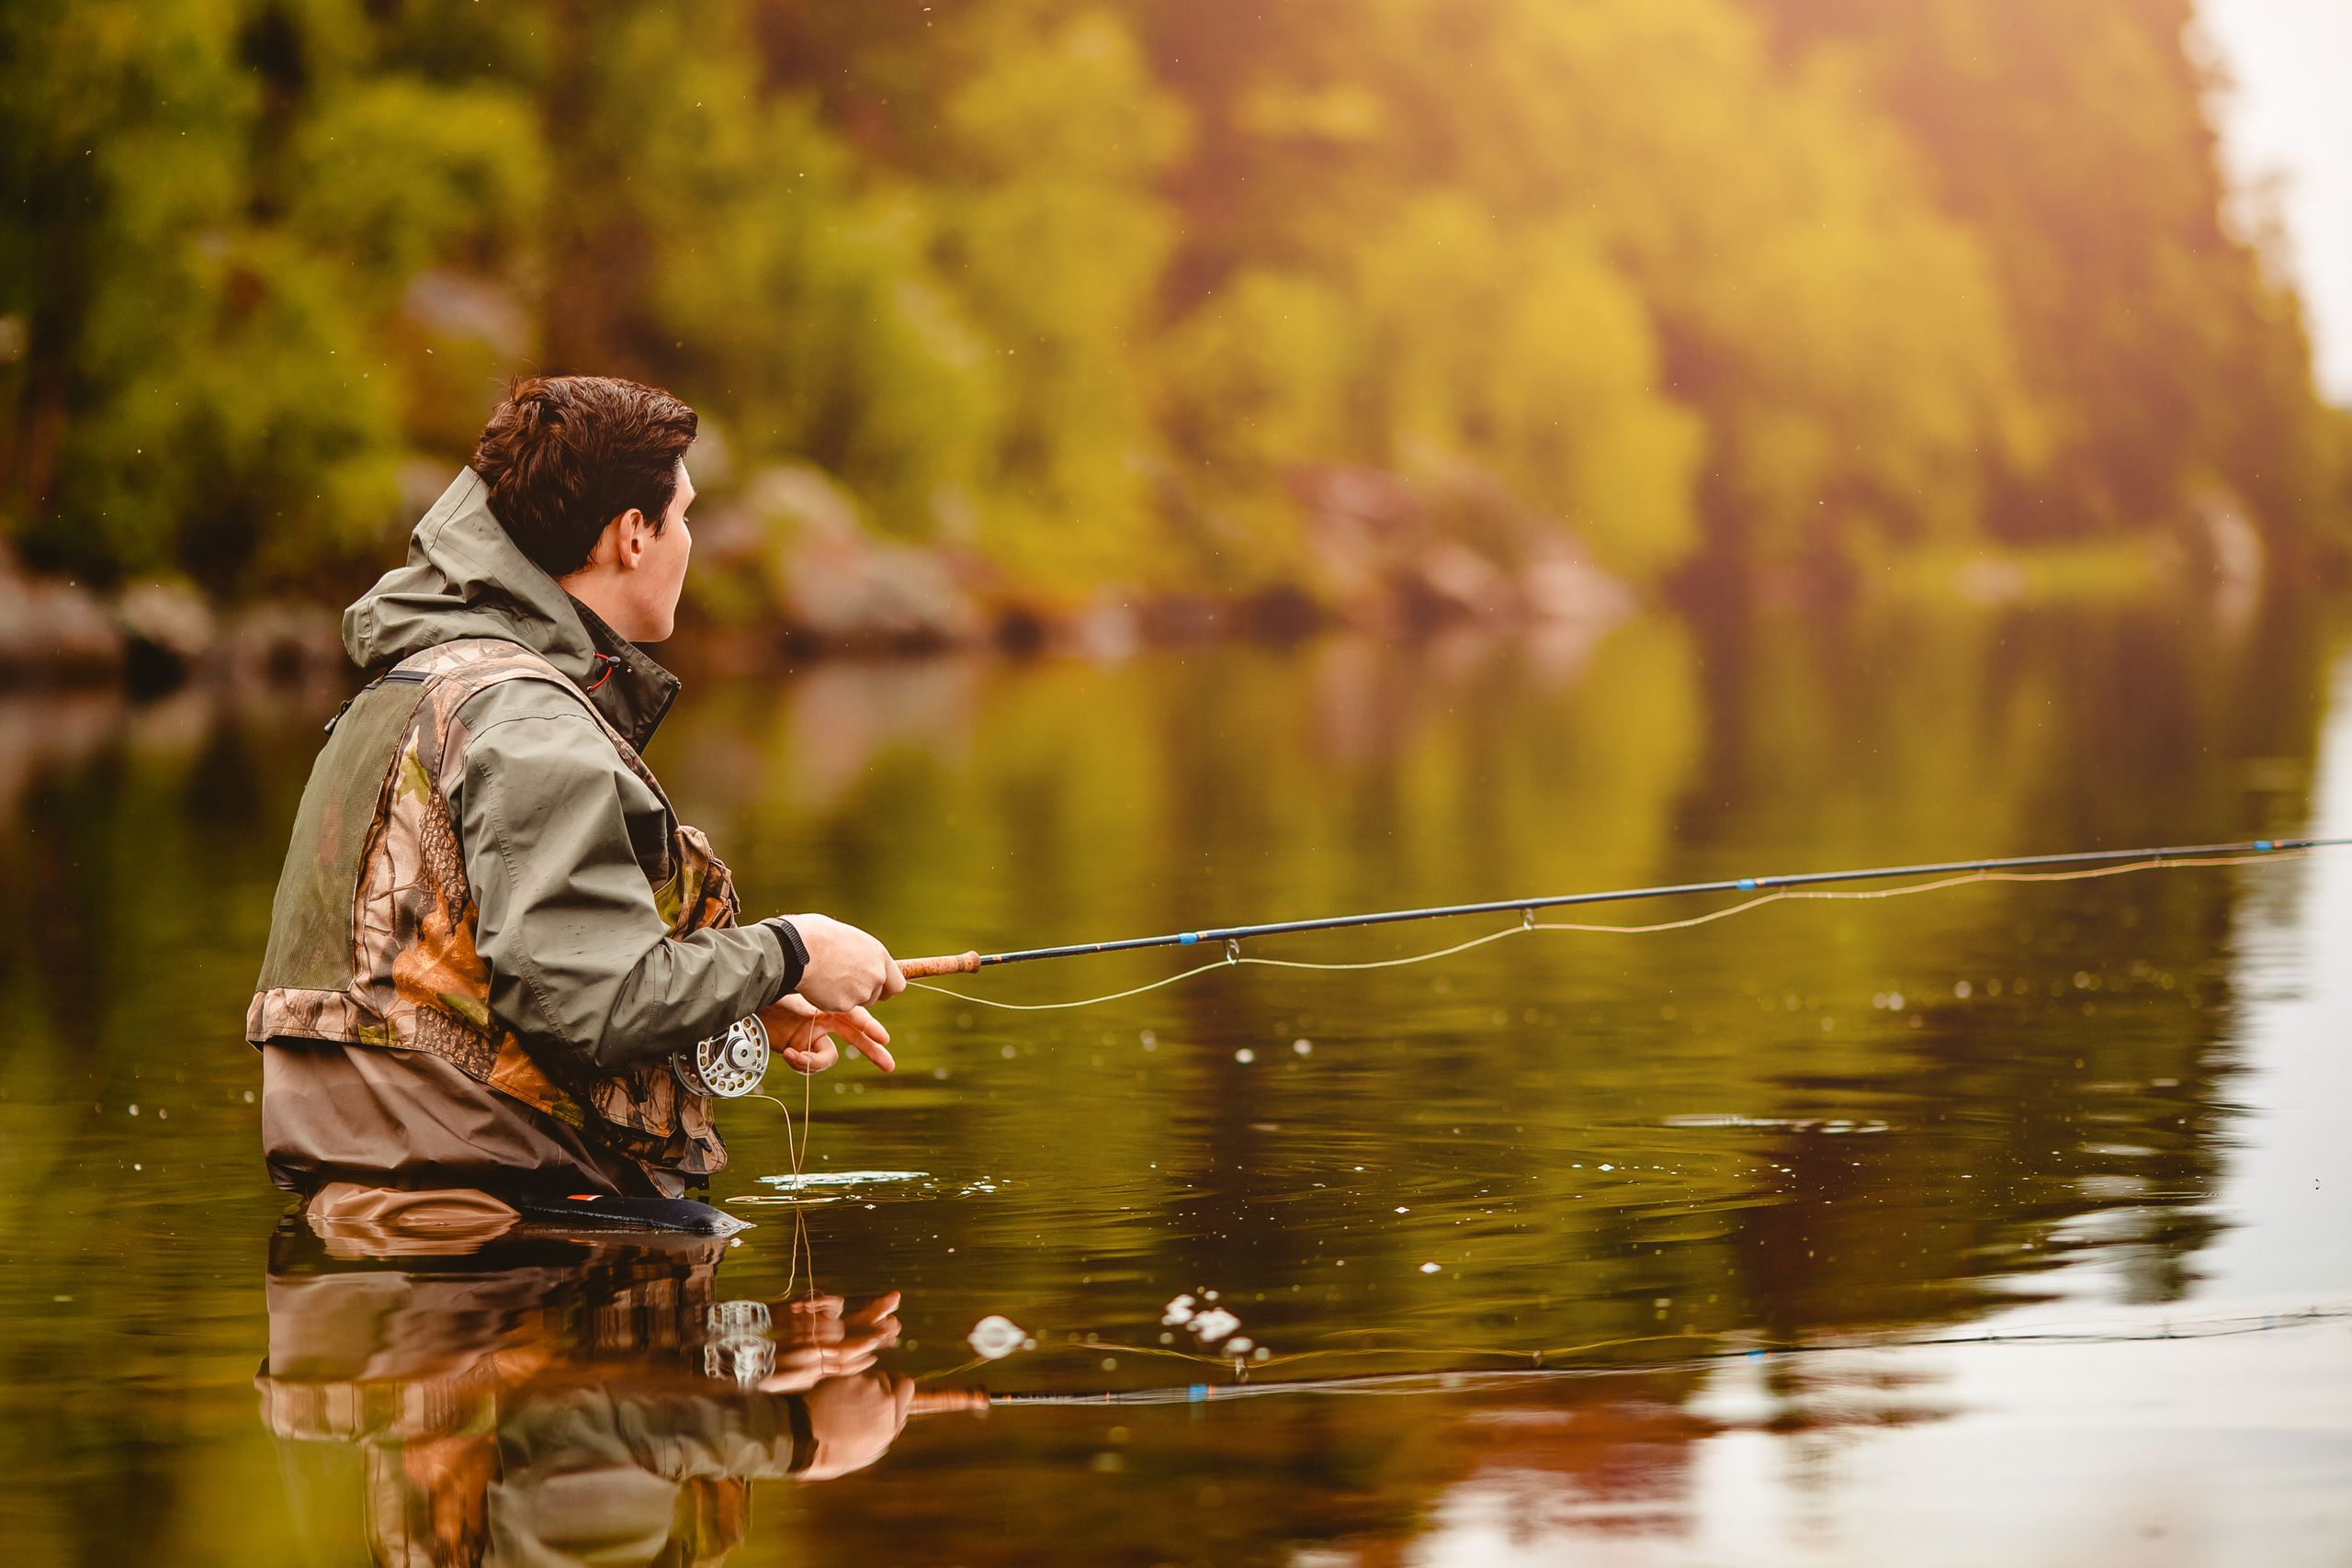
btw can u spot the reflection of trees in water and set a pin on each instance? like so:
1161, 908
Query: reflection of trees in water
955, 804
2087, 1118
134, 835
1159, 795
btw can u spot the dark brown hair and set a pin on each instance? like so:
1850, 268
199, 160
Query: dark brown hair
565, 455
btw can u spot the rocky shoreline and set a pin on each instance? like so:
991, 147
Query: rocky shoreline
787, 571
154, 636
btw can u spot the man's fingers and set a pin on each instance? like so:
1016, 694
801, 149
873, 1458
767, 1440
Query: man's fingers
814, 1059
867, 1033
893, 982
877, 1309
870, 1345
825, 1360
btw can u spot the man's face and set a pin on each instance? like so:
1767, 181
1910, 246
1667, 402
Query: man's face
661, 575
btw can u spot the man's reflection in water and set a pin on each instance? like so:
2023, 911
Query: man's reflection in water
514, 1398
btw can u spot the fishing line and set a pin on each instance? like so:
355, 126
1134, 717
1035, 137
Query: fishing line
797, 1152
1457, 1380
1981, 874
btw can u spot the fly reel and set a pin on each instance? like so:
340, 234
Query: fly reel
740, 1342
726, 1067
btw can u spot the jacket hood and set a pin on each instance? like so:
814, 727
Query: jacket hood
465, 578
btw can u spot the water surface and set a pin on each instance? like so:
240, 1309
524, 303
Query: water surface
1719, 1183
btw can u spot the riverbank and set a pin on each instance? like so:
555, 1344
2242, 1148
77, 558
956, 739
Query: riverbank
787, 571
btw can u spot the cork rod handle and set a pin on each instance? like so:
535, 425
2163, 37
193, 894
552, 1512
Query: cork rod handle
942, 1401
952, 963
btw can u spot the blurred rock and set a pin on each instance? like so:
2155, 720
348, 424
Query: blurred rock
54, 630
1358, 523
1450, 581
167, 629
1562, 587
1105, 629
284, 641
837, 586
1394, 554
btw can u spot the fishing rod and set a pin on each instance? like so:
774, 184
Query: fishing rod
2181, 854
731, 1065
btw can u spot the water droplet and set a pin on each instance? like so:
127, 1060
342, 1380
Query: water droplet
1428, 1268
1214, 1324
1304, 1047
993, 1337
1245, 1056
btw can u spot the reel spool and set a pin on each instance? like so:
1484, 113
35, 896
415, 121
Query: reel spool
726, 1067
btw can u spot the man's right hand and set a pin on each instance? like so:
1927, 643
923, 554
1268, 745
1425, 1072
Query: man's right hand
846, 968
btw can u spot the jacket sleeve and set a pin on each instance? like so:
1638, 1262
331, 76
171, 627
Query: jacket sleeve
579, 961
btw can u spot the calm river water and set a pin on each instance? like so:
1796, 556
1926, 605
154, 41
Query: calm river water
1574, 1248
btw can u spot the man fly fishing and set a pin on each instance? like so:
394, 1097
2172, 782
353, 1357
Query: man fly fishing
491, 932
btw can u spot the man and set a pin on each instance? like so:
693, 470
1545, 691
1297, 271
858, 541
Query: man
491, 932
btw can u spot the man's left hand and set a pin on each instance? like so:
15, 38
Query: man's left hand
809, 1039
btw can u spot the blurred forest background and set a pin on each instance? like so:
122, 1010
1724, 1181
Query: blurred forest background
1136, 295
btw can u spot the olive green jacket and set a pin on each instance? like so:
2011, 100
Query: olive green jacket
563, 841
557, 832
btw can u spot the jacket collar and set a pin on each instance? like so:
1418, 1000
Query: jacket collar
465, 577
629, 688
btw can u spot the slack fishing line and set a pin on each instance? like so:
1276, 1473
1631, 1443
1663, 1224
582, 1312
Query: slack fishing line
1551, 1365
2078, 866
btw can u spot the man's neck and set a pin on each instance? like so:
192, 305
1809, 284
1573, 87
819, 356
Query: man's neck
600, 591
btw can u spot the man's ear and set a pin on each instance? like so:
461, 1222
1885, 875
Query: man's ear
630, 536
